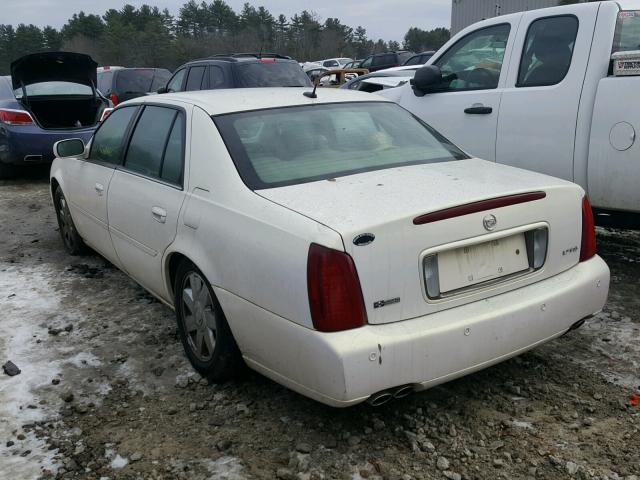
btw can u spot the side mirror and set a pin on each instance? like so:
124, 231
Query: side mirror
428, 79
162, 90
71, 147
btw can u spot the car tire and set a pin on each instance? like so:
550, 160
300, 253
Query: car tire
7, 171
73, 243
203, 328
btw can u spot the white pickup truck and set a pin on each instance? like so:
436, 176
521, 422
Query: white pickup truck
550, 90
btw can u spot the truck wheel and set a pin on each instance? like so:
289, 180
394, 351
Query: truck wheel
73, 243
204, 331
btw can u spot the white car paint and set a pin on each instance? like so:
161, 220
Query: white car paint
253, 248
562, 130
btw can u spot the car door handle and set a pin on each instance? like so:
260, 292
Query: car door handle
159, 214
478, 110
99, 188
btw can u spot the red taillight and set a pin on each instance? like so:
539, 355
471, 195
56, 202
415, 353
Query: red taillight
335, 297
588, 245
15, 117
268, 60
114, 99
105, 113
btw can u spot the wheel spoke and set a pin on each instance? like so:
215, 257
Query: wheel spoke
210, 320
209, 341
200, 341
187, 299
189, 324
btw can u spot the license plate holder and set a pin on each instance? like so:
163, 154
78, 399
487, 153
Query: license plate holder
483, 262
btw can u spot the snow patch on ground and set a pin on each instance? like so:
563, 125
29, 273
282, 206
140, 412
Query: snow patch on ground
26, 302
226, 468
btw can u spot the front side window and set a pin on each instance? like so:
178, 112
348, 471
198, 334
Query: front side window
175, 85
148, 141
160, 79
287, 146
475, 61
194, 80
108, 141
547, 51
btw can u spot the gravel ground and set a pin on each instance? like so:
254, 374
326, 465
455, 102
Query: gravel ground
105, 391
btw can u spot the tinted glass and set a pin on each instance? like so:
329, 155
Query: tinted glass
404, 56
148, 140
160, 79
271, 74
330, 63
547, 52
216, 77
367, 62
137, 80
172, 163
474, 62
387, 59
107, 143
300, 144
627, 35
104, 82
194, 80
415, 60
175, 84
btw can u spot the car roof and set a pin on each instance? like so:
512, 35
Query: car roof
240, 57
221, 101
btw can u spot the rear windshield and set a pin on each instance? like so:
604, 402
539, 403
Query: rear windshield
270, 74
134, 81
627, 35
54, 88
288, 146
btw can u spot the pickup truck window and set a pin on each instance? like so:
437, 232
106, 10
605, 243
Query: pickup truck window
547, 52
474, 62
627, 35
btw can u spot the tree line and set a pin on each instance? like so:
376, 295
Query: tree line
148, 36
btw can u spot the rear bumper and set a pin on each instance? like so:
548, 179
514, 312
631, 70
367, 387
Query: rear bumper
345, 368
29, 144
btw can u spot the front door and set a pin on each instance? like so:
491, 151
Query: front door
146, 195
87, 182
465, 109
539, 107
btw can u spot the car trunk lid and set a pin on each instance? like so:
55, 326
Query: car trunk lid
470, 245
54, 66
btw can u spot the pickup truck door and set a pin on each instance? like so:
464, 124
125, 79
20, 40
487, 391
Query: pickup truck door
146, 195
539, 107
465, 109
87, 182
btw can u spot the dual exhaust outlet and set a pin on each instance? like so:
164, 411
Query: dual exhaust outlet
380, 398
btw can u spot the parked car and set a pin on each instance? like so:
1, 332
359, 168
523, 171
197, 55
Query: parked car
353, 64
559, 105
120, 84
419, 58
313, 70
380, 61
336, 244
334, 62
376, 81
244, 70
48, 97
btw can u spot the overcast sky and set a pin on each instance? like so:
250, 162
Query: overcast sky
382, 18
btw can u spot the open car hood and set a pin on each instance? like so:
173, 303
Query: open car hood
54, 67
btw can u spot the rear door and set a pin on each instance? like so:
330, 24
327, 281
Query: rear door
146, 194
540, 103
474, 70
87, 181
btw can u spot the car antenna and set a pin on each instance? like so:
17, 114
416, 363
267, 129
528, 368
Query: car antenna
312, 94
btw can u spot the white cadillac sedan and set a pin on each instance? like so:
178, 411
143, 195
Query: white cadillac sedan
337, 245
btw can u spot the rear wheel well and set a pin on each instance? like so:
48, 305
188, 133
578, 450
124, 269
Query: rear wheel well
174, 261
54, 185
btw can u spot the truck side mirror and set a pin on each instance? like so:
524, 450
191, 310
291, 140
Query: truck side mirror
71, 147
428, 79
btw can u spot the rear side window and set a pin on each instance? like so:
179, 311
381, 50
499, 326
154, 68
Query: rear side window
171, 170
194, 80
108, 141
148, 141
216, 77
547, 52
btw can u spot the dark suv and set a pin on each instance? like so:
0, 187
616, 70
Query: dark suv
380, 61
119, 84
240, 70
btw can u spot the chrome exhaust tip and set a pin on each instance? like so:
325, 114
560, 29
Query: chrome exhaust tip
403, 391
380, 398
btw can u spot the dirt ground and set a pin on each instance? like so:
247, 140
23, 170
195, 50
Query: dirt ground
105, 391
